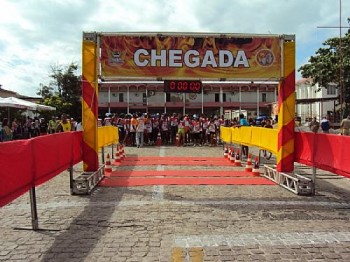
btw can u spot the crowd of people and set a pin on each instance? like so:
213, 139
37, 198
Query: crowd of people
33, 127
324, 125
140, 129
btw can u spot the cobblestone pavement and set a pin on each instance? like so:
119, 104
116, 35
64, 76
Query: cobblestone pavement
180, 223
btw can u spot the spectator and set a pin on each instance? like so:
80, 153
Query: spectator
7, 132
243, 122
314, 125
140, 129
133, 125
79, 126
345, 126
325, 125
14, 127
52, 125
43, 126
1, 132
64, 125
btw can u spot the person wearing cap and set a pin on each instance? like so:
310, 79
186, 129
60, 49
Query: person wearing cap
325, 125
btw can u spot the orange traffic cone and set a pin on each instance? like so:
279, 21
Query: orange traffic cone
122, 152
117, 155
229, 153
238, 159
226, 152
159, 140
108, 166
232, 157
249, 166
256, 171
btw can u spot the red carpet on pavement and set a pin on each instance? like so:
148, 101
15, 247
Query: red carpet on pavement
174, 161
178, 173
174, 158
125, 178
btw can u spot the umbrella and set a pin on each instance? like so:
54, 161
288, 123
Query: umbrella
23, 104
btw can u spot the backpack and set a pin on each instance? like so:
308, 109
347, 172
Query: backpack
325, 125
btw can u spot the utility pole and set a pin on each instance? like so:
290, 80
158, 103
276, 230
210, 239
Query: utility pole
341, 80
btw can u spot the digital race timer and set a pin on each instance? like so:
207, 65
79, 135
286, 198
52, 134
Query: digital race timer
183, 86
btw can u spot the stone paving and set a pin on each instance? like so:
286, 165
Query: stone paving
181, 223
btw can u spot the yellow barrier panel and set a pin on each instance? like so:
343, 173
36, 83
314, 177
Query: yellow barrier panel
225, 134
264, 138
107, 135
244, 135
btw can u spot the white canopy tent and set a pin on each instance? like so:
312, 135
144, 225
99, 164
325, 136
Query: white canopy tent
23, 104
14, 102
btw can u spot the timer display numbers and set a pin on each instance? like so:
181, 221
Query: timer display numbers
183, 86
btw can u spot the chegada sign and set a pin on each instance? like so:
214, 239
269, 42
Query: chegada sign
191, 56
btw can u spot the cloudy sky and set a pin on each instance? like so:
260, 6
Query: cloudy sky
39, 34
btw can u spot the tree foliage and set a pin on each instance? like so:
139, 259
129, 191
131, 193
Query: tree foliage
331, 64
64, 91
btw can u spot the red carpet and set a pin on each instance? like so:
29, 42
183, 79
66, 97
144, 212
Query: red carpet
170, 161
124, 178
174, 158
138, 181
178, 173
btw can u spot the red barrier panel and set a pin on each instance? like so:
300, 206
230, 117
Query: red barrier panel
28, 163
53, 154
16, 170
325, 151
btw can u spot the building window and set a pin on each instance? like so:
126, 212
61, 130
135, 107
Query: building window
144, 97
121, 97
167, 97
217, 97
263, 97
331, 90
224, 97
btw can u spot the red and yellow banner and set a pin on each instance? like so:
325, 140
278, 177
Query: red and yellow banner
203, 57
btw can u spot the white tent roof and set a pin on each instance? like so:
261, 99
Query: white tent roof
23, 104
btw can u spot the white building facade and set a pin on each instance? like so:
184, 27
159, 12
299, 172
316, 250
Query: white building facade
215, 98
315, 101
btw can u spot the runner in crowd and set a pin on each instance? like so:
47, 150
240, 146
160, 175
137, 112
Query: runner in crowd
164, 129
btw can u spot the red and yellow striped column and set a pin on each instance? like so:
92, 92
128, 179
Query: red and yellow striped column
90, 101
286, 109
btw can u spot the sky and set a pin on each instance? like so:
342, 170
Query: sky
37, 35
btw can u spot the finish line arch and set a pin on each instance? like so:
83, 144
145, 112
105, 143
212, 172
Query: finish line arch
188, 56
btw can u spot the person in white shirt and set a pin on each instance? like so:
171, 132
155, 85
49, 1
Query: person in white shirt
140, 129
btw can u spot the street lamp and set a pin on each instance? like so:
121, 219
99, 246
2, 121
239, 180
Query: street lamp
41, 90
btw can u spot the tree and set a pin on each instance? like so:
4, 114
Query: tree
331, 64
64, 91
